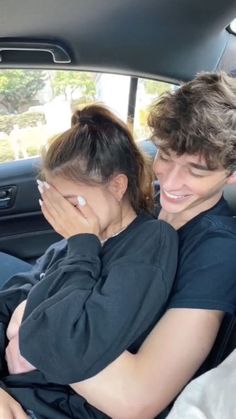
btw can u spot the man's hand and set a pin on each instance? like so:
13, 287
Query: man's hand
15, 322
16, 363
10, 408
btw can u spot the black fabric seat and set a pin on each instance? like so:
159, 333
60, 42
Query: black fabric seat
230, 196
226, 339
225, 343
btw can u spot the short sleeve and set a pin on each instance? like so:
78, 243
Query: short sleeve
206, 275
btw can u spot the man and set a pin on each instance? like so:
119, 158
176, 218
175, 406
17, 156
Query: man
195, 130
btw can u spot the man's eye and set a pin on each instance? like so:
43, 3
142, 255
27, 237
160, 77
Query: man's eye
164, 158
197, 174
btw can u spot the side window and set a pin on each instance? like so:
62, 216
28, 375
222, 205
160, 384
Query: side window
147, 92
37, 104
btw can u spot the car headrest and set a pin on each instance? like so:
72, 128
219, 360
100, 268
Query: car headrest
230, 196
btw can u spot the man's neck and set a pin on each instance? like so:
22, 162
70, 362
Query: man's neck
177, 220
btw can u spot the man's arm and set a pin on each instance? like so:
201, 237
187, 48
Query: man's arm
140, 386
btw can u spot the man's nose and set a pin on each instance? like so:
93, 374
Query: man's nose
173, 179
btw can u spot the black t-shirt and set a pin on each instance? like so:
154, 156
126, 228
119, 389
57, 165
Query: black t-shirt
206, 274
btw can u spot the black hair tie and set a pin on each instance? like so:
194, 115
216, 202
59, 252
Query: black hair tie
85, 120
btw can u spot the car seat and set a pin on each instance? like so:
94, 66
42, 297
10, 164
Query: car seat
226, 339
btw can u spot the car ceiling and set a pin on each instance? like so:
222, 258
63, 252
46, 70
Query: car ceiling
167, 39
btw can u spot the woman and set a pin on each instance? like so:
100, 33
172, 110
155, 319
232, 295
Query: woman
102, 289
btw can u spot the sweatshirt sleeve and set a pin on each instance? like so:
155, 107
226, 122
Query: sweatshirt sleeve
14, 291
17, 288
91, 320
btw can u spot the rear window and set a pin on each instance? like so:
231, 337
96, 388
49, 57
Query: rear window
37, 104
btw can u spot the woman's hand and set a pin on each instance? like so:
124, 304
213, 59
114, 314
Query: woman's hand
15, 322
63, 216
10, 408
16, 363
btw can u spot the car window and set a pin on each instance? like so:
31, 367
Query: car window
147, 92
37, 104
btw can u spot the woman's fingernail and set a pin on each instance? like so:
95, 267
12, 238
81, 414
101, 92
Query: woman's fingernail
40, 188
40, 202
81, 201
46, 185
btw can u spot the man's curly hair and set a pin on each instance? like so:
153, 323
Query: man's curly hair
199, 118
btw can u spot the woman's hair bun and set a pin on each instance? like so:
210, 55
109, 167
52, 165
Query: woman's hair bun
80, 117
92, 114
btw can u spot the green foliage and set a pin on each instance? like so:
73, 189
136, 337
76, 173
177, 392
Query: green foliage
156, 88
24, 120
66, 82
32, 135
6, 151
80, 103
19, 87
32, 150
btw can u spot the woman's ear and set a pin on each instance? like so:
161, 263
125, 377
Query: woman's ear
118, 186
231, 179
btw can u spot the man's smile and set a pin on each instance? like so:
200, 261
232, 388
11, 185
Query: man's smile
175, 197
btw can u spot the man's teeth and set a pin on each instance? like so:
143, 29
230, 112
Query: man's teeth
170, 195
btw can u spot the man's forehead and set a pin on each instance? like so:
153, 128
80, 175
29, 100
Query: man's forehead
194, 160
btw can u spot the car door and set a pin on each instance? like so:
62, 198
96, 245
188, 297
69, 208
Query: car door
23, 230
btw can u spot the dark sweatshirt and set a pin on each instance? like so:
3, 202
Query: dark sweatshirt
89, 304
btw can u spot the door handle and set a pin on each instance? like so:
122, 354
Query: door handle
7, 196
58, 53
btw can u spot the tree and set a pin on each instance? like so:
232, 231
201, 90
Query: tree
18, 88
156, 88
67, 82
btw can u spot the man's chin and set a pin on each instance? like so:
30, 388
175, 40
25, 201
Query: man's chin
174, 207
